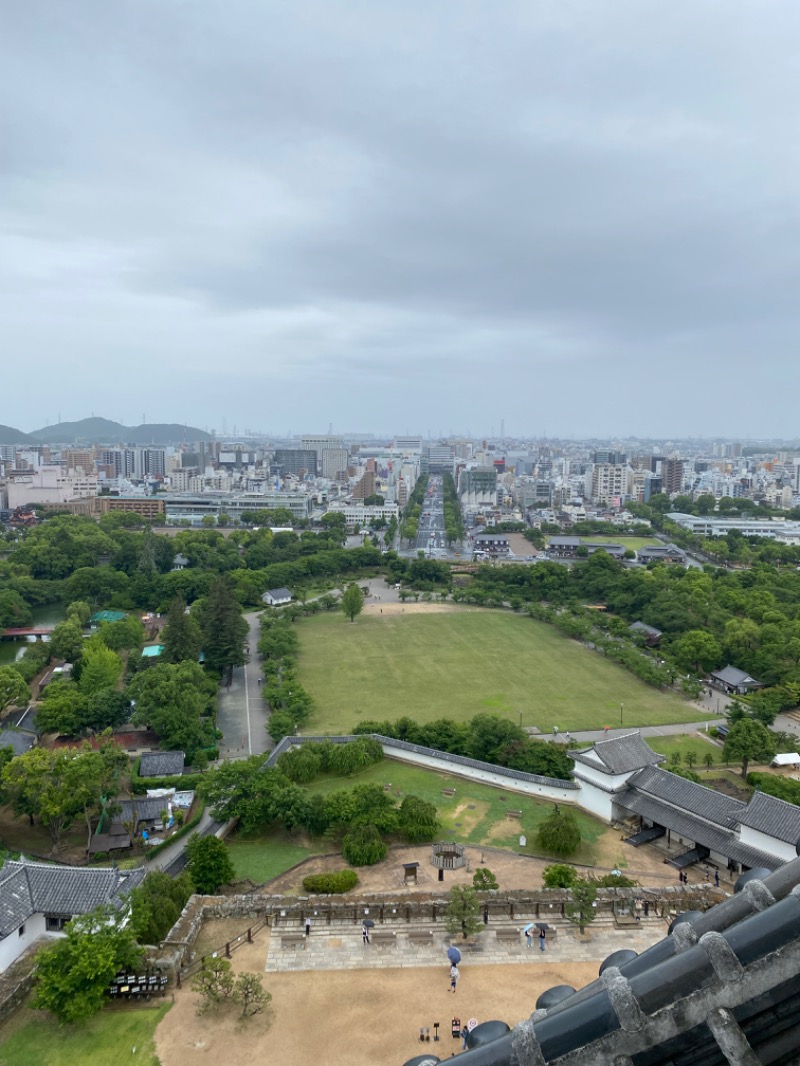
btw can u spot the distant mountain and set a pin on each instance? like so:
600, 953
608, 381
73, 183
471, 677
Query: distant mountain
9, 435
103, 431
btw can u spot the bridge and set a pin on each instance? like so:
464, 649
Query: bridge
23, 634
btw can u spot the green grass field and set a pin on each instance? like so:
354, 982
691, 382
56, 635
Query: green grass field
105, 1040
477, 814
259, 858
467, 662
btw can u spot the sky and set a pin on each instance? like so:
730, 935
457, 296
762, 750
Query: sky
577, 217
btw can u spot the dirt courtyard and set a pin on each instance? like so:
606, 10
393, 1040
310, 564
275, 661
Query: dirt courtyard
354, 1017
646, 865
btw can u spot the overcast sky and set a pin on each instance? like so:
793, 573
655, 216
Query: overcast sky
579, 216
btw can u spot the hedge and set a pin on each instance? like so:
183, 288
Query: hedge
331, 884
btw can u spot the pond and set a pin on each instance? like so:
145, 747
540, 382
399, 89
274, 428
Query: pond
48, 615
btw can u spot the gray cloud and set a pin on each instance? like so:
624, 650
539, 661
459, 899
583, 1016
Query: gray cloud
576, 216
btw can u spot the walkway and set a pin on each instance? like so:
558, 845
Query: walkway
588, 736
332, 948
242, 713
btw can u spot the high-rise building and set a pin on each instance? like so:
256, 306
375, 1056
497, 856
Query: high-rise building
334, 461
319, 444
672, 475
608, 482
612, 458
302, 462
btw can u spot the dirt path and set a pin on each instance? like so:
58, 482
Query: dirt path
355, 1017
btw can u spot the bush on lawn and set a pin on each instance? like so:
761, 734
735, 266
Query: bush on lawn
332, 883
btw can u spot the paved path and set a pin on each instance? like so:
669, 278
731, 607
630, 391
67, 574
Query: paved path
590, 735
242, 713
342, 948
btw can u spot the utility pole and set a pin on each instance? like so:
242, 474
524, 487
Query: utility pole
620, 712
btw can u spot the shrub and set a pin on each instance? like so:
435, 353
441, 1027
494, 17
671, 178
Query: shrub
332, 883
364, 846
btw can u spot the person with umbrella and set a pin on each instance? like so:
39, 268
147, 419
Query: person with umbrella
454, 955
454, 976
528, 934
366, 925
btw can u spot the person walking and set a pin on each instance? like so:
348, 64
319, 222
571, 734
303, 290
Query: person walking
716, 879
542, 938
364, 934
464, 1037
528, 937
454, 976
308, 926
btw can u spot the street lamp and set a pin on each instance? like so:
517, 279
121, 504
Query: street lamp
620, 712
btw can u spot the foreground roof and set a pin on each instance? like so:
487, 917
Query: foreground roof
773, 816
28, 888
723, 988
161, 763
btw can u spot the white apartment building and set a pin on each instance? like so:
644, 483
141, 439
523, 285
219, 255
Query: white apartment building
50, 484
607, 482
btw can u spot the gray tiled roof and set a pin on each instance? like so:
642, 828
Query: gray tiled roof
642, 627
279, 594
680, 822
731, 675
620, 755
691, 797
28, 888
20, 742
146, 808
772, 816
161, 763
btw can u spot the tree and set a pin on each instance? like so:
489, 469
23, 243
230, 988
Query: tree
484, 880
352, 601
62, 709
559, 833
708, 759
559, 875
697, 650
177, 700
364, 846
462, 914
222, 627
249, 991
181, 635
209, 864
748, 741
213, 984
691, 758
157, 904
581, 910
66, 641
107, 709
13, 690
79, 612
73, 974
100, 668
417, 820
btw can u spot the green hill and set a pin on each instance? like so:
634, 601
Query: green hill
9, 435
104, 431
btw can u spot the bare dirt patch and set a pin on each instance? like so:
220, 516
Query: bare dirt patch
468, 819
217, 932
411, 608
354, 1017
645, 865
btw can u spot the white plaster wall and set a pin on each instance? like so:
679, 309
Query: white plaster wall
527, 788
756, 839
12, 946
599, 777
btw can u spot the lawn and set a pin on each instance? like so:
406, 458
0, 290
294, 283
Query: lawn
683, 745
634, 543
260, 857
465, 662
477, 814
105, 1040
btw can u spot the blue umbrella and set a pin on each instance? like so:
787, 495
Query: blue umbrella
528, 927
454, 955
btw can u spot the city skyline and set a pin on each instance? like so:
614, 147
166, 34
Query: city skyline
434, 217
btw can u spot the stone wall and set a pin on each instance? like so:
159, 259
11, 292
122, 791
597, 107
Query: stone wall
17, 981
385, 908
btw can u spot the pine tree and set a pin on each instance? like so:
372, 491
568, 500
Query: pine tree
223, 628
181, 635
